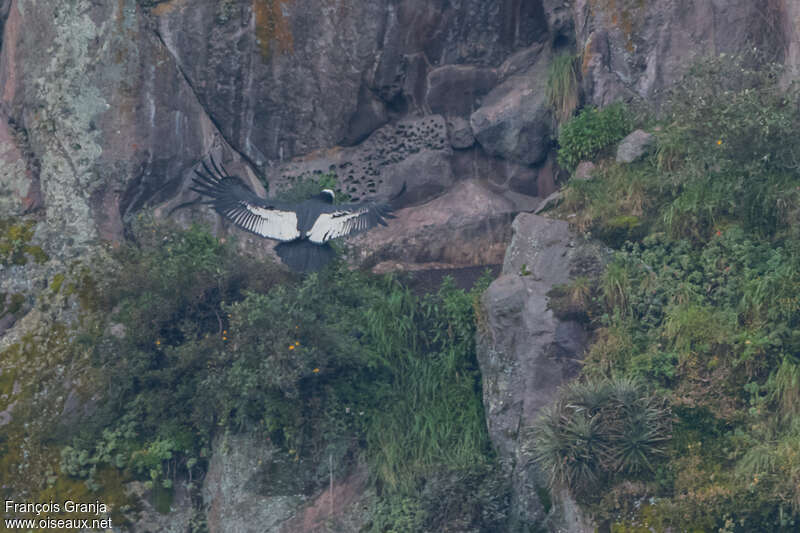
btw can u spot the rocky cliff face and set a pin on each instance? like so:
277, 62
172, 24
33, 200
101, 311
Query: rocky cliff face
639, 47
526, 352
105, 107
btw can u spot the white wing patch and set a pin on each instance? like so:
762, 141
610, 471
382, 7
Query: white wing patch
269, 223
337, 224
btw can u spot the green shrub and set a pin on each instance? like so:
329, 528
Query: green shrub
729, 149
586, 135
167, 292
338, 364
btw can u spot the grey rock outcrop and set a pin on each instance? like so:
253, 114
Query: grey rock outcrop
231, 488
285, 78
100, 114
640, 48
524, 351
456, 90
414, 151
634, 146
514, 121
137, 92
252, 487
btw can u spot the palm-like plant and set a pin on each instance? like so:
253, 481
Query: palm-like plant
569, 445
600, 429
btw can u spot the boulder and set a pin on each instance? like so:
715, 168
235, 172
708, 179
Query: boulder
584, 171
469, 225
514, 121
456, 90
500, 174
634, 146
547, 246
525, 352
232, 488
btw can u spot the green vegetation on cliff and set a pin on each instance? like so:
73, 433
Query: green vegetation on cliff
186, 339
701, 307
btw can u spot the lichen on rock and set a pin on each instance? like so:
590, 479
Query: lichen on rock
272, 27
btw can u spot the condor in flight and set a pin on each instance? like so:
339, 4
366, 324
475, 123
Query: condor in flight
304, 229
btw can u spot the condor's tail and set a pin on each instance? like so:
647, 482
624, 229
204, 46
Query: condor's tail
305, 256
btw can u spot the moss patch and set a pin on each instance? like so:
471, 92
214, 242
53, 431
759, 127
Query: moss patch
55, 285
32, 380
15, 247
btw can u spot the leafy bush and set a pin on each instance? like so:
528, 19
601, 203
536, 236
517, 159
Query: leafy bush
338, 364
593, 130
729, 148
167, 294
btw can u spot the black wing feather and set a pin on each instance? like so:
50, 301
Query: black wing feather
232, 198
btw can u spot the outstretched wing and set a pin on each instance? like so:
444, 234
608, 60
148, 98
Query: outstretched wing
235, 200
348, 219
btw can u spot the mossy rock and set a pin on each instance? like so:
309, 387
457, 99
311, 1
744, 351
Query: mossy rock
55, 285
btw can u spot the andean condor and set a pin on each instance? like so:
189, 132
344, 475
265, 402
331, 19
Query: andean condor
304, 229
